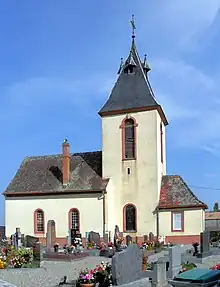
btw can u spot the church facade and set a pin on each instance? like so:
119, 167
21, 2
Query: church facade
125, 184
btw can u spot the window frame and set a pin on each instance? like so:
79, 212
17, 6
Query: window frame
36, 212
125, 218
173, 214
122, 127
70, 218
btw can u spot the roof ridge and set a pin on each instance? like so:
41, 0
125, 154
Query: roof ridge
59, 154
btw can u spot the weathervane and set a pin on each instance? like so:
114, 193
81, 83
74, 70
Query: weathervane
133, 26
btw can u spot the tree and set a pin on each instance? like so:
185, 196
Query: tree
216, 207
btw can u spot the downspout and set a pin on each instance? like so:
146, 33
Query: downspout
104, 215
157, 223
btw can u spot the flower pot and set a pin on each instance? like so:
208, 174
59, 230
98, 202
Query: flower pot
87, 285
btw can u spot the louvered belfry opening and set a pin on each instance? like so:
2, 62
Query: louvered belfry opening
129, 139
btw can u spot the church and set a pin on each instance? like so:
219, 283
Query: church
125, 184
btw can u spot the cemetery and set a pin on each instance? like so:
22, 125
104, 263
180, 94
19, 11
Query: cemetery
24, 261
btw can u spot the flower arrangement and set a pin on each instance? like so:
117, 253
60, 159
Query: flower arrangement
100, 274
187, 266
216, 267
15, 258
86, 277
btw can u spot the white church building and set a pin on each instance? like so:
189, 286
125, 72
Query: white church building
125, 184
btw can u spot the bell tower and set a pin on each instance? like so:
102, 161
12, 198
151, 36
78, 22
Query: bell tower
133, 147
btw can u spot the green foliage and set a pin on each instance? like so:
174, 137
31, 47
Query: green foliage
216, 207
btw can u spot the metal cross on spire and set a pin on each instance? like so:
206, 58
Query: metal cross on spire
133, 26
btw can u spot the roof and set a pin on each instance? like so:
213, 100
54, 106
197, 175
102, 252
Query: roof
131, 90
212, 215
175, 193
44, 174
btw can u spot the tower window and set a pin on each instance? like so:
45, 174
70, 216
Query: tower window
129, 139
130, 218
129, 170
128, 127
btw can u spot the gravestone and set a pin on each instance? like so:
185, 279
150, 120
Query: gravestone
160, 274
18, 237
127, 265
94, 237
118, 238
128, 239
204, 244
51, 234
175, 261
31, 241
151, 237
145, 238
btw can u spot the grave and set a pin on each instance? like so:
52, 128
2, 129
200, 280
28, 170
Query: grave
94, 237
51, 234
127, 265
128, 240
175, 261
31, 241
118, 237
204, 245
151, 237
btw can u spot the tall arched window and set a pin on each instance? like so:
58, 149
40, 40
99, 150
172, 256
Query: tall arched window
130, 218
128, 127
39, 221
74, 219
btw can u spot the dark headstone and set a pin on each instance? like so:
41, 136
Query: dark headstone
31, 241
196, 248
127, 265
117, 238
128, 239
94, 237
204, 245
145, 238
151, 237
51, 234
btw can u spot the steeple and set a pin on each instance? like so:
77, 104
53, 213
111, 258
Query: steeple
132, 90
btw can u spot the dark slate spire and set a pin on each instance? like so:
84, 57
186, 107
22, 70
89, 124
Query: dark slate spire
132, 90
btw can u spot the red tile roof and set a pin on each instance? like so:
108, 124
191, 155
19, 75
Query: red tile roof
175, 193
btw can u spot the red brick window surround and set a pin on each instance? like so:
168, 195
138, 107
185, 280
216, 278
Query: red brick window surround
39, 221
128, 127
74, 219
130, 218
161, 142
177, 221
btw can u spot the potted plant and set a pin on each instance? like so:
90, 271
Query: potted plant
86, 278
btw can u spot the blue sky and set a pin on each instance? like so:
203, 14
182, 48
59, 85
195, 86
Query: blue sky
59, 60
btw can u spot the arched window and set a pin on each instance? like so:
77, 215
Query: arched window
74, 219
39, 221
128, 127
130, 218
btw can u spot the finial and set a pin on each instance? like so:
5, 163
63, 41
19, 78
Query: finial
65, 141
145, 59
133, 26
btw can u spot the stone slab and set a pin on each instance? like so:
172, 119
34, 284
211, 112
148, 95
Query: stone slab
127, 265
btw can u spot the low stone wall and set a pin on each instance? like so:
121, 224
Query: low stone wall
139, 283
50, 272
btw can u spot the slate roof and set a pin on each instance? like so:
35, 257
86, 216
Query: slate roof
44, 173
175, 193
131, 91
